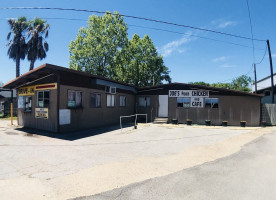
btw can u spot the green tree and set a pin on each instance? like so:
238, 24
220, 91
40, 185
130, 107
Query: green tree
242, 83
37, 45
96, 47
200, 83
139, 63
17, 45
103, 49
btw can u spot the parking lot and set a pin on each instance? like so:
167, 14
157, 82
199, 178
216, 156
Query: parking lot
34, 166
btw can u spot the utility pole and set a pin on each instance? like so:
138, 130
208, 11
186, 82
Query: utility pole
271, 71
255, 77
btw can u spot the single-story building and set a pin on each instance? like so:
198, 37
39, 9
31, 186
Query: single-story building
59, 99
199, 103
264, 87
5, 102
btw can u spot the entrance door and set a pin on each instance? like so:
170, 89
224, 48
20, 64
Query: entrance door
163, 106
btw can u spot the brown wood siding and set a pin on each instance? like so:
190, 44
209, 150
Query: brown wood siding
231, 108
152, 110
27, 119
86, 117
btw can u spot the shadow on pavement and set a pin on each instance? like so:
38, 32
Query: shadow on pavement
70, 136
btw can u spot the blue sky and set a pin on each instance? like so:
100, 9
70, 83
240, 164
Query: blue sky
189, 58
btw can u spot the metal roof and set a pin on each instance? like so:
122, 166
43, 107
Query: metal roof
48, 69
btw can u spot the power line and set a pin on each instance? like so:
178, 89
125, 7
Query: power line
249, 15
251, 68
263, 56
158, 29
202, 37
133, 17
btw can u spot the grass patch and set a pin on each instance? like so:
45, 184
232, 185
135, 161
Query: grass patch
2, 117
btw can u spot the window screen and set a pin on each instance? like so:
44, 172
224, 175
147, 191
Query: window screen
122, 101
43, 99
211, 102
74, 99
95, 100
28, 104
110, 100
144, 101
183, 102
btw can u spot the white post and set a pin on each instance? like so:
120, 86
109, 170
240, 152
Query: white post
121, 123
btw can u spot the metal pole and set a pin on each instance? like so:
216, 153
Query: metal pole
255, 78
135, 121
271, 71
11, 107
121, 123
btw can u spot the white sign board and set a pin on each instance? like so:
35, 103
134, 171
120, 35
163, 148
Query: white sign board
188, 93
64, 116
197, 102
41, 113
20, 102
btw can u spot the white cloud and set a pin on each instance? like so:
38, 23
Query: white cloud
227, 66
219, 59
176, 45
273, 55
220, 23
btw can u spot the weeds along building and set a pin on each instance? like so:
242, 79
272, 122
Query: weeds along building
59, 99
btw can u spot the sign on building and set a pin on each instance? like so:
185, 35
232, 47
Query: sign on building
26, 91
197, 102
41, 113
30, 90
188, 93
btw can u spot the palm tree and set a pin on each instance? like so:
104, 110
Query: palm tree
37, 46
17, 45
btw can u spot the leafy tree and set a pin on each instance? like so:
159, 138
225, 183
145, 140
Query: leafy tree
37, 46
200, 83
222, 85
104, 49
17, 45
95, 47
241, 83
144, 66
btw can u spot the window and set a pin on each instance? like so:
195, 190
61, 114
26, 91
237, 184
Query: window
43, 99
211, 102
122, 101
183, 102
74, 99
95, 100
27, 104
110, 100
144, 101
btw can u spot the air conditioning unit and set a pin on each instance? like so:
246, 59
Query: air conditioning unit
107, 89
110, 90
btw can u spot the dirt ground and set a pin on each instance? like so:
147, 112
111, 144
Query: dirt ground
33, 166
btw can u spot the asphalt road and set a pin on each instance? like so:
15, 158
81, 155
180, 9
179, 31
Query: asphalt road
249, 174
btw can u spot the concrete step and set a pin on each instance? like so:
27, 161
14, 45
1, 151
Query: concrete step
159, 120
